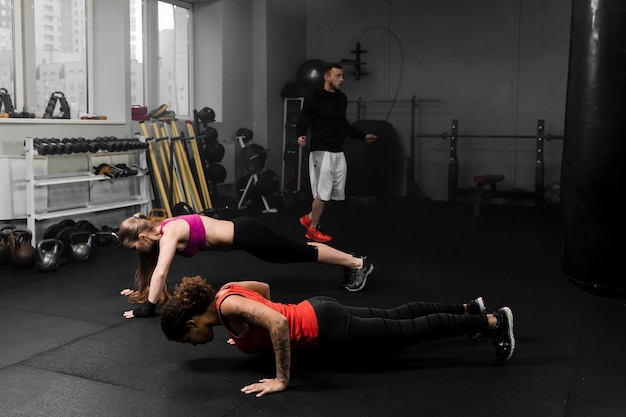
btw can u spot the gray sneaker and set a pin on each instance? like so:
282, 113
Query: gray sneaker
358, 277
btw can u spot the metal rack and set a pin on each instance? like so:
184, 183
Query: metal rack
33, 182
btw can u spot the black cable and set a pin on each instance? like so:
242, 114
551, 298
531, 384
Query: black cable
400, 75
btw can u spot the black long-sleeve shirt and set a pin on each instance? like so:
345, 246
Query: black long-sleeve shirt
325, 113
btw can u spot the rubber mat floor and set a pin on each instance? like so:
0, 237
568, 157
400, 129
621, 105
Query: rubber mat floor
66, 350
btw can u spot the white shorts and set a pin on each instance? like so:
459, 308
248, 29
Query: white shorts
328, 172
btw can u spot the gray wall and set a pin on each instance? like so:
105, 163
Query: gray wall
497, 66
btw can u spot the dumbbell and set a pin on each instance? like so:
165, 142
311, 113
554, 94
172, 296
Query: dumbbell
41, 146
127, 170
107, 236
110, 171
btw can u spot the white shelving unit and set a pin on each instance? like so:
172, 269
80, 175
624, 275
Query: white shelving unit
34, 183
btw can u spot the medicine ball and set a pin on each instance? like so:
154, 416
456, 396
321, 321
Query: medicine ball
210, 134
206, 115
213, 152
216, 173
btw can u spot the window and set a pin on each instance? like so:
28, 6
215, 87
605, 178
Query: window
44, 51
7, 63
168, 81
136, 52
61, 52
174, 57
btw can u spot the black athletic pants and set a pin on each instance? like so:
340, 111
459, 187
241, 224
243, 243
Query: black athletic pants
263, 242
343, 326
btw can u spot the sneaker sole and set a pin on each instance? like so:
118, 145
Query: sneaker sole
509, 318
481, 305
314, 239
367, 274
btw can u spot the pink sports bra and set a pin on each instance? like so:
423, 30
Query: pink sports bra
197, 235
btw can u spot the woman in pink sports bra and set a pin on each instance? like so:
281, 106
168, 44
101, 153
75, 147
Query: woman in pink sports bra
258, 325
189, 234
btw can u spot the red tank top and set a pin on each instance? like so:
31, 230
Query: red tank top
301, 317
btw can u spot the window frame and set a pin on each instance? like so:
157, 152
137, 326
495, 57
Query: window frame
151, 56
25, 68
25, 65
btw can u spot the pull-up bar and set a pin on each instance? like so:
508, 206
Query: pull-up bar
446, 135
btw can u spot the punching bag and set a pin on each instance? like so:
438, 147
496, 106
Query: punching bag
593, 170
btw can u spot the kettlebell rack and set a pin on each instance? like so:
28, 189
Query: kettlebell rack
107, 150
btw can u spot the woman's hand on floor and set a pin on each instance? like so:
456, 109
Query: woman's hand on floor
265, 386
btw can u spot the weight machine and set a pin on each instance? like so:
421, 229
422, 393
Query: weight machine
454, 191
253, 160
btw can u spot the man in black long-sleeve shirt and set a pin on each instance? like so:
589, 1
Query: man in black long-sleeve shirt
324, 111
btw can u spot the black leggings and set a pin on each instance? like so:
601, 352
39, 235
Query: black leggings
263, 242
344, 326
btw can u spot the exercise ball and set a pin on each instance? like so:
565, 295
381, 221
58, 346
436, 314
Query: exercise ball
311, 73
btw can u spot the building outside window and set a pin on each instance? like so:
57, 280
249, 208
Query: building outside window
7, 59
61, 52
169, 55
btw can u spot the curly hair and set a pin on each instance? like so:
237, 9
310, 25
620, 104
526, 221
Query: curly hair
129, 231
192, 297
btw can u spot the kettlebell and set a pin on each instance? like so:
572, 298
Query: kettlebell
49, 253
5, 248
80, 244
157, 215
23, 254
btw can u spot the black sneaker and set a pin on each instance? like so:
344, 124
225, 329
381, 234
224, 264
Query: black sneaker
358, 276
475, 307
346, 277
502, 334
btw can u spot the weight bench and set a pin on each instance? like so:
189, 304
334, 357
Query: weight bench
481, 182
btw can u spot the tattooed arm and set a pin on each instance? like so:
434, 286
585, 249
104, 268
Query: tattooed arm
240, 312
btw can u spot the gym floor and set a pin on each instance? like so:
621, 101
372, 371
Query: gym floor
66, 350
